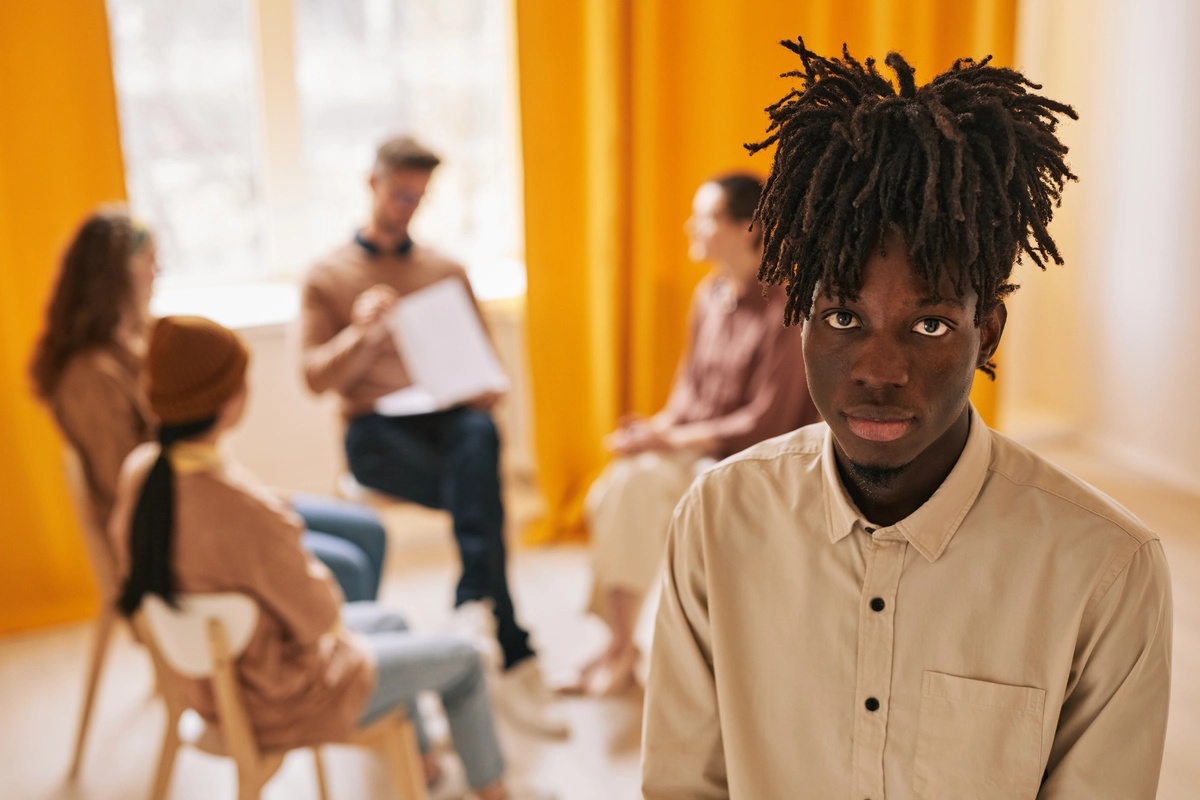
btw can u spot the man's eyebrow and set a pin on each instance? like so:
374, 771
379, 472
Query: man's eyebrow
934, 300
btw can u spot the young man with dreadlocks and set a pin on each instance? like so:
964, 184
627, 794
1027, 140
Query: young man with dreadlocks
900, 602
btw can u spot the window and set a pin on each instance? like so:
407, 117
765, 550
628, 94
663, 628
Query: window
185, 86
248, 148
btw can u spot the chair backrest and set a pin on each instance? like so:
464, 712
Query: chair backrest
203, 639
95, 538
184, 635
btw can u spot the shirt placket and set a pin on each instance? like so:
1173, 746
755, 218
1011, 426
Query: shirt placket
885, 554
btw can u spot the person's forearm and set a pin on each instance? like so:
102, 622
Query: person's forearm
338, 361
695, 437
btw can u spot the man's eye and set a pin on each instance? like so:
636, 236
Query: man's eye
931, 327
841, 320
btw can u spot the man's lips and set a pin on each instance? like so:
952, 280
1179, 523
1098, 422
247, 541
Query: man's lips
878, 425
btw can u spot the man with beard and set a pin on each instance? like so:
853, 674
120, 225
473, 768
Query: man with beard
448, 459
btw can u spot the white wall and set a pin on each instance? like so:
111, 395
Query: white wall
1105, 347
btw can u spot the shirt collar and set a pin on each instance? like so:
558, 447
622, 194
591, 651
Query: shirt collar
402, 249
931, 527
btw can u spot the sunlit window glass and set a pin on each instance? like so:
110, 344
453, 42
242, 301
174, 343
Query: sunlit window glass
440, 69
186, 97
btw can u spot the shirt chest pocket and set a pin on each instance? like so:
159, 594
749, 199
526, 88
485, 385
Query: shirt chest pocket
977, 740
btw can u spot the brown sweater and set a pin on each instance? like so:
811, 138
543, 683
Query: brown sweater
305, 679
741, 379
336, 355
100, 408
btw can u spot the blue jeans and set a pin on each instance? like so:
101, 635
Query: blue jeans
408, 662
448, 460
348, 539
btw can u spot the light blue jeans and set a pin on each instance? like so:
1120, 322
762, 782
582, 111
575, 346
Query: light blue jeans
409, 662
348, 539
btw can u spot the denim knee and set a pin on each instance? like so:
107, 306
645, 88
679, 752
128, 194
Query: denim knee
349, 565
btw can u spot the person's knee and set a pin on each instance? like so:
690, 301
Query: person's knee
468, 664
645, 474
390, 620
368, 617
369, 451
351, 569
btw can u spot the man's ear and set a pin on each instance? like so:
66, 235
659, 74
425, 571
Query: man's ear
990, 331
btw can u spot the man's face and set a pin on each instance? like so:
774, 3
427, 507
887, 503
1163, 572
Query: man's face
143, 269
891, 370
713, 235
396, 194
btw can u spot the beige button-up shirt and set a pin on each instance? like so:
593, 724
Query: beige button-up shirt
1009, 639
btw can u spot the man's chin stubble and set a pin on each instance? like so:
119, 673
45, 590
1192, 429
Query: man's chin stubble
874, 479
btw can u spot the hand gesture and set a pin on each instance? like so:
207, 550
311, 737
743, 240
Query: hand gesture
369, 309
637, 436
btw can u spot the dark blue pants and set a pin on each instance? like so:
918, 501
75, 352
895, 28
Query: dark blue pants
348, 539
448, 460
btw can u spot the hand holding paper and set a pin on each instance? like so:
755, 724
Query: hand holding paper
445, 349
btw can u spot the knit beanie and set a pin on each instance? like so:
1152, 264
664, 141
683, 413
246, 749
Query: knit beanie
193, 365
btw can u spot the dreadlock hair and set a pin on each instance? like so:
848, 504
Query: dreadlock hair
967, 168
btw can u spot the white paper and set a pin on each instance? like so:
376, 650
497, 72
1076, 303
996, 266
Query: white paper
406, 402
445, 349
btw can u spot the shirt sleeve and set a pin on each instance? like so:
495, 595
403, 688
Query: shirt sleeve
1109, 742
682, 750
333, 353
682, 395
777, 395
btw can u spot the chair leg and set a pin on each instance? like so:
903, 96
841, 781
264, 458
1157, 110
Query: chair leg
104, 626
322, 786
166, 760
402, 756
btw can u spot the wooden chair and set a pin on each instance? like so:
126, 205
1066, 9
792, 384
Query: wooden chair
203, 638
105, 570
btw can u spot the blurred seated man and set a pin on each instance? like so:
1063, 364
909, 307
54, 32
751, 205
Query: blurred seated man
740, 381
448, 459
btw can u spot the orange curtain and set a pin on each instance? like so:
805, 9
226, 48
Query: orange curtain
626, 107
60, 155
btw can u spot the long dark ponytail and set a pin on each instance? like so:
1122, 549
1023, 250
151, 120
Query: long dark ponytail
152, 532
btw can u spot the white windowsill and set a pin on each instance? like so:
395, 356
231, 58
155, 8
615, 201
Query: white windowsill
263, 305
240, 307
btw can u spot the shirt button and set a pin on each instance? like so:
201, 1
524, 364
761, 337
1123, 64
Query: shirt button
872, 704
877, 604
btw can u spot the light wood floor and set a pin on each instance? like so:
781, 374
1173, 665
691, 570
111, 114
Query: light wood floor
41, 676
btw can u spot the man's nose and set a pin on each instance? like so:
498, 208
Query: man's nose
881, 361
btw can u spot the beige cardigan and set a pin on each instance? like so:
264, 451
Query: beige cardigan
304, 677
99, 406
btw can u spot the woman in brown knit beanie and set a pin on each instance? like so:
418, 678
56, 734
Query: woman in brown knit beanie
187, 520
86, 369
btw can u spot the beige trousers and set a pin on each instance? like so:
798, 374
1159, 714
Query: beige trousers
629, 508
